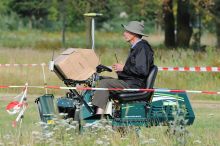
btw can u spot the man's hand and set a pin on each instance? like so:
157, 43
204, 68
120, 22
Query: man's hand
117, 67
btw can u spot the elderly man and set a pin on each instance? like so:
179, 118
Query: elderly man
135, 70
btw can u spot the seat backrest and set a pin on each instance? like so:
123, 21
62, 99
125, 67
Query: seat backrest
151, 77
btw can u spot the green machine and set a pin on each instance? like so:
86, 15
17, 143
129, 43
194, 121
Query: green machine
46, 108
132, 108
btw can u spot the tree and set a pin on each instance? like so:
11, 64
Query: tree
63, 6
33, 10
4, 6
169, 23
184, 31
215, 9
142, 10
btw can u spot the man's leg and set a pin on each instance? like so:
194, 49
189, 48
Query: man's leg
100, 98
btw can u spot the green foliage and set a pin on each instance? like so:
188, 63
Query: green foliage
4, 6
48, 15
10, 22
53, 12
25, 8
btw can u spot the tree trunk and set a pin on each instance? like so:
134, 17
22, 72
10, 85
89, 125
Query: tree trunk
30, 23
218, 34
64, 31
88, 28
169, 23
63, 15
184, 31
217, 22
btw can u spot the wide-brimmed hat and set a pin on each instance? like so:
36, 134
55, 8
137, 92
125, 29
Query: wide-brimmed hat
135, 27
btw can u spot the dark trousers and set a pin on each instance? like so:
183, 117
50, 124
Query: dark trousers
100, 98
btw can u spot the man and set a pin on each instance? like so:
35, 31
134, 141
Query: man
136, 69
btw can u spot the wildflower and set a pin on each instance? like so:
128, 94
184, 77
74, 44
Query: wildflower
7, 136
124, 138
50, 134
71, 138
11, 143
211, 115
68, 129
197, 142
99, 142
72, 127
35, 133
149, 141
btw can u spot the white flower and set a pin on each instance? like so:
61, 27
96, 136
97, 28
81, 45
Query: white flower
35, 133
197, 142
149, 141
99, 142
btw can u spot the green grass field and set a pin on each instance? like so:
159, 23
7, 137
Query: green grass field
174, 80
37, 47
205, 130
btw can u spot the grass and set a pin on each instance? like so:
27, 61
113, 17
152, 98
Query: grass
173, 80
37, 47
42, 40
37, 39
204, 131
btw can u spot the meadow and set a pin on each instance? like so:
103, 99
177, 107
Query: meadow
204, 132
38, 47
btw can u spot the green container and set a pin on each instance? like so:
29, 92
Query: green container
165, 107
46, 108
133, 110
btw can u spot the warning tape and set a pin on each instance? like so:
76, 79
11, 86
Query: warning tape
22, 65
190, 69
116, 89
193, 69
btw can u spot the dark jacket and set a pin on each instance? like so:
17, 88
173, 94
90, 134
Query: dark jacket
137, 65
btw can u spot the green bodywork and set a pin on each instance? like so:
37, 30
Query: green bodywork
46, 108
163, 108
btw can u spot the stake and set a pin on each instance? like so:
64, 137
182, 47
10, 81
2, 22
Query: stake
93, 33
93, 15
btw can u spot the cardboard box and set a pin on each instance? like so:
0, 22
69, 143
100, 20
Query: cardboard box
76, 64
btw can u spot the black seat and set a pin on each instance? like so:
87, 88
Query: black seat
140, 95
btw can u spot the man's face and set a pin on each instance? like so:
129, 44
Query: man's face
128, 36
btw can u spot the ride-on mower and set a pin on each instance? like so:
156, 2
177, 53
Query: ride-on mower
126, 108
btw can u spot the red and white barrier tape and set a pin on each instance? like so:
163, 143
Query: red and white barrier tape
116, 89
22, 65
193, 69
189, 69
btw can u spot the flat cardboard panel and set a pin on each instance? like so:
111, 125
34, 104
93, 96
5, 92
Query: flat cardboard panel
76, 63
